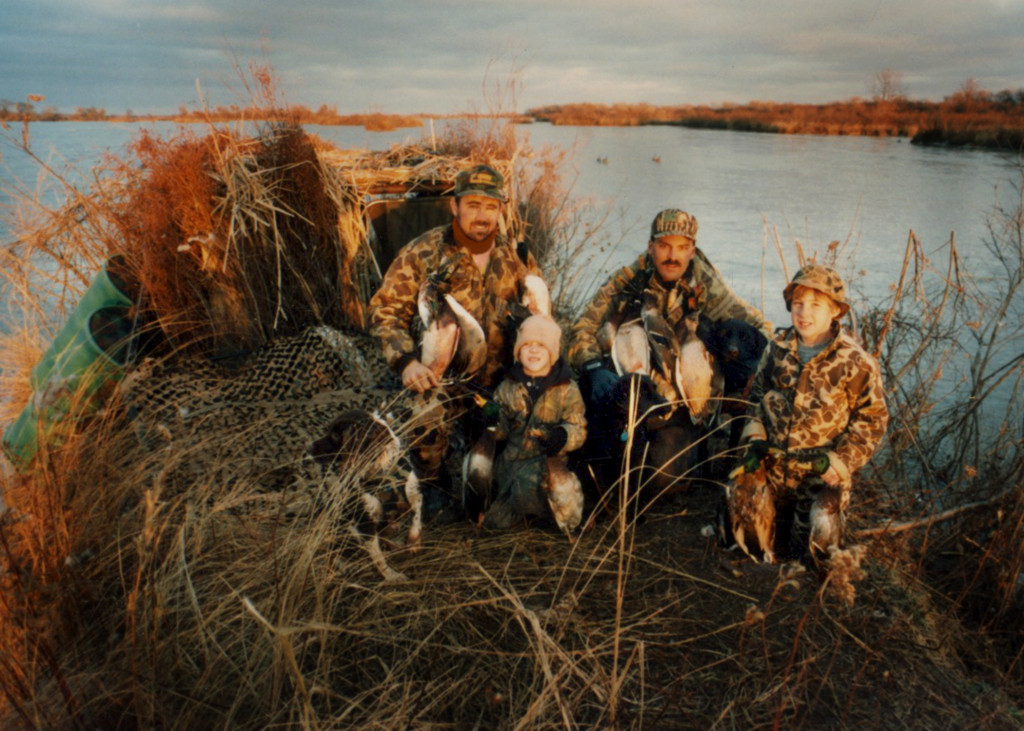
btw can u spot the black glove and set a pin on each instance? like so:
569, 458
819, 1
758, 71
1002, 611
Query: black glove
553, 440
601, 380
758, 448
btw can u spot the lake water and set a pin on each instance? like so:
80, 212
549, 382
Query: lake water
746, 189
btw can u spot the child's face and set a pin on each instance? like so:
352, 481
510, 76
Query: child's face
535, 359
813, 313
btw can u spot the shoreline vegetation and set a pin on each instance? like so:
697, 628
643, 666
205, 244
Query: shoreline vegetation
971, 117
983, 123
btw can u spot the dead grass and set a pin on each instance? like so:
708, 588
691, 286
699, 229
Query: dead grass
202, 610
980, 120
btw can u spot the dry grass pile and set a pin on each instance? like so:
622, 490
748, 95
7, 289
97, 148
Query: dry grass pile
224, 608
235, 241
180, 599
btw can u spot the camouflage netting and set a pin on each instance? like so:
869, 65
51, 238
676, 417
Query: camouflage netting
254, 418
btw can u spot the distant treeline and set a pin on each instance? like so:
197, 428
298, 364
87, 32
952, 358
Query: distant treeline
968, 118
19, 112
377, 121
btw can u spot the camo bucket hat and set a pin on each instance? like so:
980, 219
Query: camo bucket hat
673, 222
822, 279
480, 180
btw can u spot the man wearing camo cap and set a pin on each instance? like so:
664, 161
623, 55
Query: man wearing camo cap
471, 260
481, 269
674, 276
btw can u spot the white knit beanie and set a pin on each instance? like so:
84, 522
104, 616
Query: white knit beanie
543, 330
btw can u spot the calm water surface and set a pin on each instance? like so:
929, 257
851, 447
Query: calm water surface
746, 189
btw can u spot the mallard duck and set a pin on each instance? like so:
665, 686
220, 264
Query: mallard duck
694, 371
565, 495
451, 335
631, 352
751, 513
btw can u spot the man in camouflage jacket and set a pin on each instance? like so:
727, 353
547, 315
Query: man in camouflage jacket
482, 271
678, 277
818, 415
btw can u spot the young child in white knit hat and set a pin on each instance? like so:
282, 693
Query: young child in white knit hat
540, 418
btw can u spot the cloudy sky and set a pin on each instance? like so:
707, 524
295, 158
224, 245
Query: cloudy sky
449, 56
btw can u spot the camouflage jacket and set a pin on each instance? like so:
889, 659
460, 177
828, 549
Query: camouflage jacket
835, 403
620, 297
486, 295
558, 403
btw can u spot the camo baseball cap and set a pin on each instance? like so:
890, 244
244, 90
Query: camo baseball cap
673, 222
480, 180
822, 279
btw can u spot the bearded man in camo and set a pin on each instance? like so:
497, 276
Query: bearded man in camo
483, 271
818, 415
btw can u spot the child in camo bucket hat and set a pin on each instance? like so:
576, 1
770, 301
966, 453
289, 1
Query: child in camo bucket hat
818, 415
